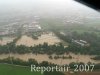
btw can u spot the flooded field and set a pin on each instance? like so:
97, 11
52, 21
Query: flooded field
6, 40
50, 39
28, 41
45, 57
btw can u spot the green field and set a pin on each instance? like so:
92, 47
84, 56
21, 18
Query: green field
6, 69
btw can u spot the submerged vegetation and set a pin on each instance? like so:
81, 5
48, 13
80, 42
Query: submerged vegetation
92, 47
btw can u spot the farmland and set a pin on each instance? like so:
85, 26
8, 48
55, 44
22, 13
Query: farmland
6, 69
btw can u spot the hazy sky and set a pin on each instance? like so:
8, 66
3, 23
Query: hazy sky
46, 7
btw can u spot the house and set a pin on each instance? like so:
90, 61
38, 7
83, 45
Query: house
80, 42
32, 27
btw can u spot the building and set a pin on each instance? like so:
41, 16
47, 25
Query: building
32, 27
80, 42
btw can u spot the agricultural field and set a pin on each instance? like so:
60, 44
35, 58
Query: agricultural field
6, 69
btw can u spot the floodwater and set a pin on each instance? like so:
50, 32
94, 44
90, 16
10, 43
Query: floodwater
45, 57
50, 39
6, 40
28, 41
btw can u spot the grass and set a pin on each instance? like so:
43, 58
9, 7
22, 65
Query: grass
6, 69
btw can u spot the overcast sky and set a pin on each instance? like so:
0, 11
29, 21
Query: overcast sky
46, 7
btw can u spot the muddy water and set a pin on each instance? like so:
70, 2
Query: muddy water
50, 39
6, 40
28, 41
45, 57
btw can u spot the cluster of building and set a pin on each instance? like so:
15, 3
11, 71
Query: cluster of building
7, 30
24, 26
80, 42
32, 27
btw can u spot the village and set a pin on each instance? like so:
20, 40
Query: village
14, 28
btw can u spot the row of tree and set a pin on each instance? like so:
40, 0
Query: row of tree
91, 38
11, 60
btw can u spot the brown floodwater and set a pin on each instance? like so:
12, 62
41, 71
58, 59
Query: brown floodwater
50, 39
6, 40
28, 41
45, 57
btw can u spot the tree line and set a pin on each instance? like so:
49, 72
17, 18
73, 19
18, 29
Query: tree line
17, 61
91, 38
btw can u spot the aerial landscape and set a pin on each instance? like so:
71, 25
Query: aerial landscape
48, 33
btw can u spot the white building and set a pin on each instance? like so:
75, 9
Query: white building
80, 42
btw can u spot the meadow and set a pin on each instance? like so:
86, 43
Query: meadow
6, 69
